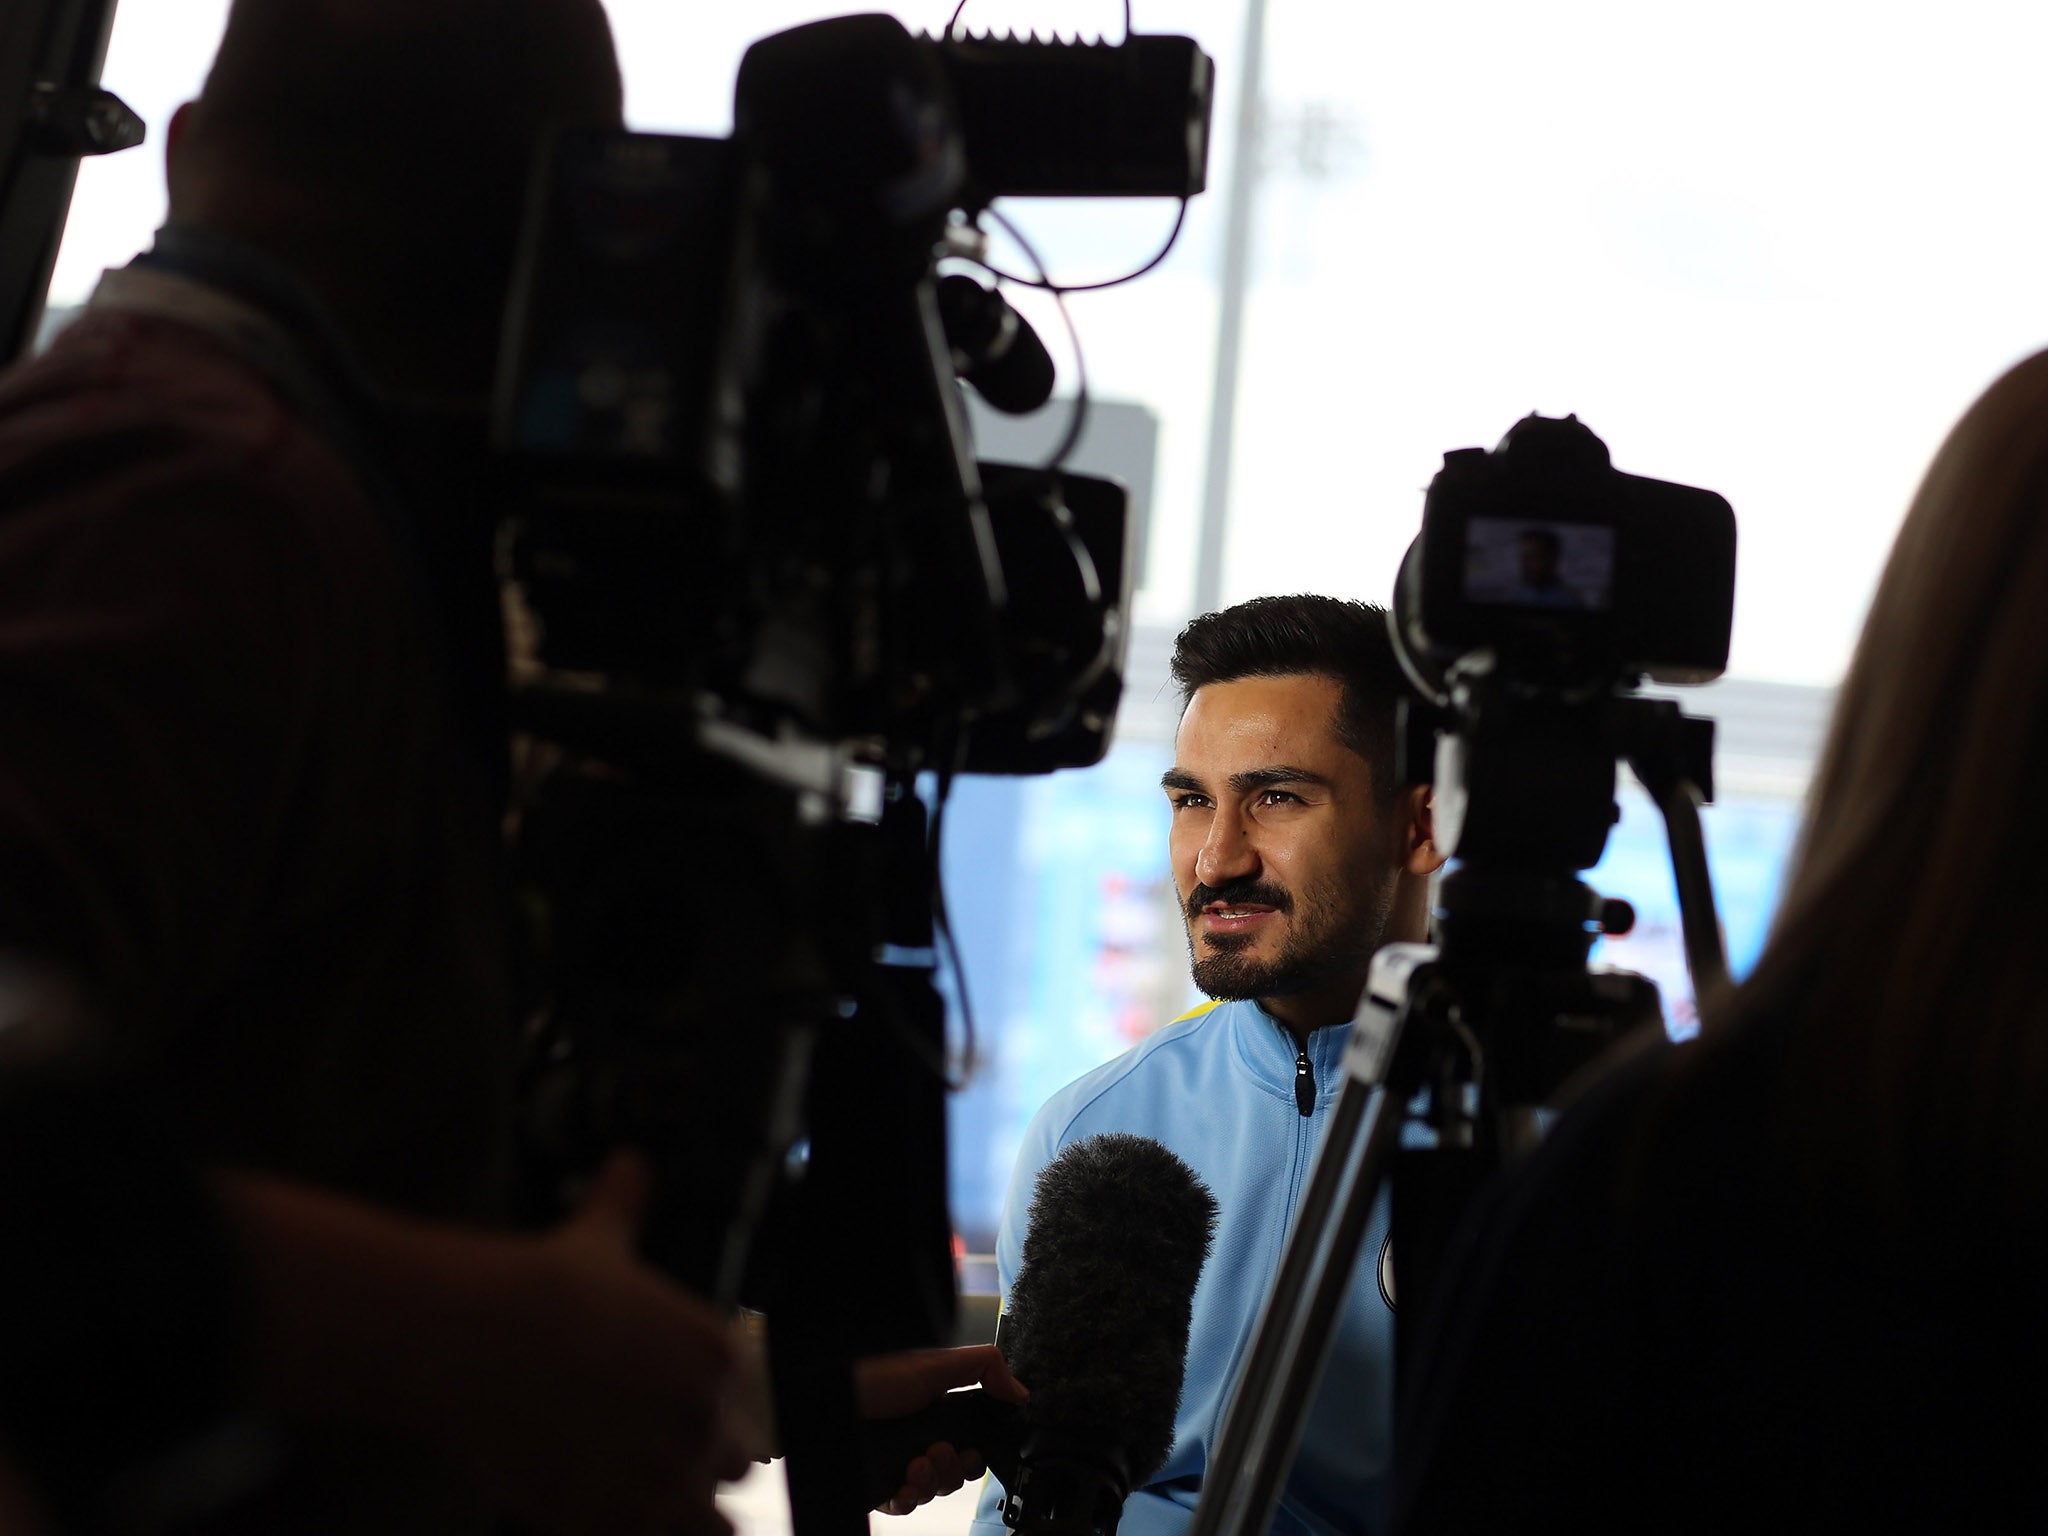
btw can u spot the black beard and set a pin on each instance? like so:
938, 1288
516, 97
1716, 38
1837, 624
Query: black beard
1227, 975
1308, 962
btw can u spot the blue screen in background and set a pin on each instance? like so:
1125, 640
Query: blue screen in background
1747, 845
1068, 933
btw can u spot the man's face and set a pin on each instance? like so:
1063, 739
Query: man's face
1539, 560
1284, 862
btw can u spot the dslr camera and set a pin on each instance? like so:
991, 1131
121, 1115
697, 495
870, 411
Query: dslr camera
1544, 585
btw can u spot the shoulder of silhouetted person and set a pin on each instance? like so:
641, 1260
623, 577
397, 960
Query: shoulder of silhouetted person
1714, 1340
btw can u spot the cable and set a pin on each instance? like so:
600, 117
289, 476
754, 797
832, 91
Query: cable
954, 20
1059, 291
1059, 297
1172, 239
1043, 283
942, 930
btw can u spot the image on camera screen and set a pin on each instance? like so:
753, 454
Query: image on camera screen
1522, 562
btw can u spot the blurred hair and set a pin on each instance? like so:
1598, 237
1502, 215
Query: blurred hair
1326, 636
383, 147
1910, 953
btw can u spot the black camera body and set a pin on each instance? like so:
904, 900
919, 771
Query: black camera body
1544, 586
1571, 573
732, 387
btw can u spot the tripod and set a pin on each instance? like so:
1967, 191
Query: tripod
1468, 1040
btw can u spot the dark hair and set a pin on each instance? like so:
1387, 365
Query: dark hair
1907, 947
382, 148
1325, 636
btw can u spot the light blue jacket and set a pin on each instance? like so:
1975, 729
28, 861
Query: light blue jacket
1217, 1086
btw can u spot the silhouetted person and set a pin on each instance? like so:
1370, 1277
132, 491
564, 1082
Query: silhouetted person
1788, 1277
250, 797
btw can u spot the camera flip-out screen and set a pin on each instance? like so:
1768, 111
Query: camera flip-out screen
1523, 562
1566, 571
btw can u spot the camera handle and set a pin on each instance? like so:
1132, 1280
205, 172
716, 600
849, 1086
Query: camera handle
1672, 753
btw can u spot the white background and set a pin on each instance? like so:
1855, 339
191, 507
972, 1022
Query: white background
1773, 249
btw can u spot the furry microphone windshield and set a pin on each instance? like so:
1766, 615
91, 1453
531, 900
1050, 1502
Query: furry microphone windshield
1097, 1321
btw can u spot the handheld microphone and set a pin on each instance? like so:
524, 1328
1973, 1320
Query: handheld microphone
1096, 1327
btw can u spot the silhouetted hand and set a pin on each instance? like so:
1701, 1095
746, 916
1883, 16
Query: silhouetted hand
889, 1386
584, 1392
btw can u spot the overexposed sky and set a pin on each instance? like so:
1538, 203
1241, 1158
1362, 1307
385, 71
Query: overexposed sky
1770, 248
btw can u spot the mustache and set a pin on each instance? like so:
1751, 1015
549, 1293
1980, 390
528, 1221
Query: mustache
1238, 893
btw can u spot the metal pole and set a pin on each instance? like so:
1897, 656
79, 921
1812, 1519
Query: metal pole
60, 44
1237, 250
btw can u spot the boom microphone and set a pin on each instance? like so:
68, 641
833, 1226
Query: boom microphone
1096, 1327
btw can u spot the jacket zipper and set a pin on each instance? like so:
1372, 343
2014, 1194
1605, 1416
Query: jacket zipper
1304, 1084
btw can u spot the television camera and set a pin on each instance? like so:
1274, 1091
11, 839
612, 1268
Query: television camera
761, 586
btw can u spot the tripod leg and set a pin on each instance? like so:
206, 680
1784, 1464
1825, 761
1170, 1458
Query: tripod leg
1673, 757
1704, 955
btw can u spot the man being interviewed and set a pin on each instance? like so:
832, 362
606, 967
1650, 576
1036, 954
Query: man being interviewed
1294, 856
